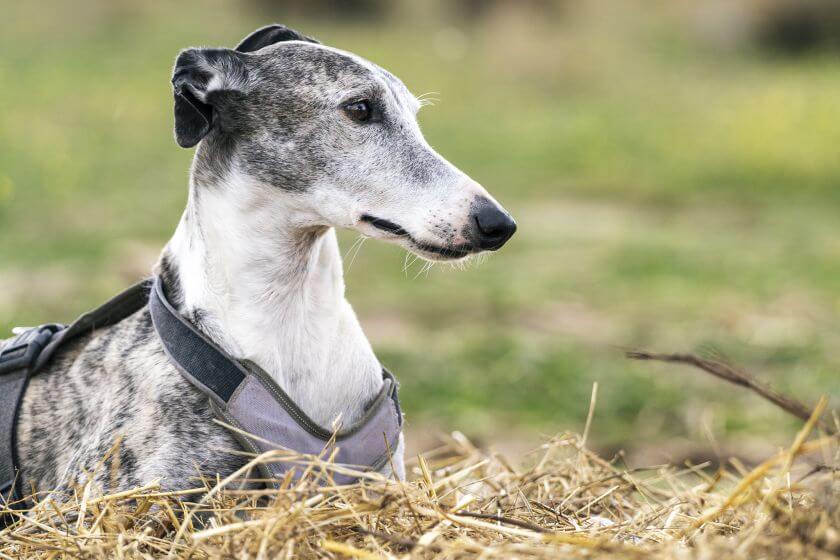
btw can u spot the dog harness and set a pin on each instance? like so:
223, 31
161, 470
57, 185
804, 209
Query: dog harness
242, 395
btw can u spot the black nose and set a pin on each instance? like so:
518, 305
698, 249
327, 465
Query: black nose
493, 226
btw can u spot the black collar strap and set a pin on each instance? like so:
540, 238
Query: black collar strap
247, 398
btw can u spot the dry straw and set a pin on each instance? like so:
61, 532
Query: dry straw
461, 502
562, 501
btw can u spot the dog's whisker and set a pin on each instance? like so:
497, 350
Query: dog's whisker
405, 263
414, 258
356, 247
356, 242
426, 266
408, 262
462, 263
428, 98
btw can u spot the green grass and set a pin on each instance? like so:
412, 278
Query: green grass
669, 195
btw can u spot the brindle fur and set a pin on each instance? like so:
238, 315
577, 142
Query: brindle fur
116, 385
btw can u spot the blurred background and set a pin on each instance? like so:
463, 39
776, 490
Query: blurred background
673, 167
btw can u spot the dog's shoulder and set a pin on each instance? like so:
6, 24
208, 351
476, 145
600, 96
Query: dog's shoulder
114, 394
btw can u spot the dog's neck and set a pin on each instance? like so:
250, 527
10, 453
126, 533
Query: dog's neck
270, 290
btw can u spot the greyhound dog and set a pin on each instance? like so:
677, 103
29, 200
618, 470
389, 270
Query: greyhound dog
294, 139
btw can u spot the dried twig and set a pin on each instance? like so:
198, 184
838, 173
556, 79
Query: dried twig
503, 519
739, 377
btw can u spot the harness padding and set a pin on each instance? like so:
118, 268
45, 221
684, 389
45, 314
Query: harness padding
247, 398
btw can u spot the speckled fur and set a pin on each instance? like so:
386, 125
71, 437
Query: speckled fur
118, 383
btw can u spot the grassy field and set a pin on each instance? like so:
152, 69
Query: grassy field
670, 194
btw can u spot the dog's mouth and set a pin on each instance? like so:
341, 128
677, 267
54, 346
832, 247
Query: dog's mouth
422, 248
385, 225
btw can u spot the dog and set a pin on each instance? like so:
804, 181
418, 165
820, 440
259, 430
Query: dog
294, 139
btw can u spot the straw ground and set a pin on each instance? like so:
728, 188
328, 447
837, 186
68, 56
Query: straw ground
562, 501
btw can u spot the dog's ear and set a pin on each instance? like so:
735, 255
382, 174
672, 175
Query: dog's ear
268, 35
199, 82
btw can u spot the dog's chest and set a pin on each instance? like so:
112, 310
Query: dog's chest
112, 404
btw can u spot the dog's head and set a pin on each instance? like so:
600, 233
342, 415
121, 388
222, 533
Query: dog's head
336, 136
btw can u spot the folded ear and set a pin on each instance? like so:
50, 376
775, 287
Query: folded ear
200, 79
269, 35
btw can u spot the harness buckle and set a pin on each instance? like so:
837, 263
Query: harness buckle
22, 351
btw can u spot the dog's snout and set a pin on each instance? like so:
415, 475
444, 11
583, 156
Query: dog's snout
493, 226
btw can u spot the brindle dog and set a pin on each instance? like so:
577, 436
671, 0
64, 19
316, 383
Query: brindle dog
294, 139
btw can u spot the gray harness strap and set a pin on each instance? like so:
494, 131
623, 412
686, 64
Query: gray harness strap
240, 393
17, 359
248, 399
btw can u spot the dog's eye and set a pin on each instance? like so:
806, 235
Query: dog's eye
359, 110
